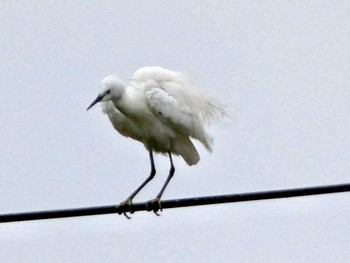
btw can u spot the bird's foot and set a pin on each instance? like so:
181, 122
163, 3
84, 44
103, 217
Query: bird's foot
126, 207
154, 205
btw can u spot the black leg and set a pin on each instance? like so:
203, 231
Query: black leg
171, 173
148, 179
154, 204
128, 201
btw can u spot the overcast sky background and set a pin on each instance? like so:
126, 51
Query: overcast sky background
282, 69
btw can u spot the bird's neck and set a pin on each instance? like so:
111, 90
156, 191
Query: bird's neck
131, 104
124, 104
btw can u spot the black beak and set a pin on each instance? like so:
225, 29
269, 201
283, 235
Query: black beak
98, 99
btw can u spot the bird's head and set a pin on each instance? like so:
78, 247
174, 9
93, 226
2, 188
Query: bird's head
111, 88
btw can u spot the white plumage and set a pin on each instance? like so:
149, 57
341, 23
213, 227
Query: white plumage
161, 109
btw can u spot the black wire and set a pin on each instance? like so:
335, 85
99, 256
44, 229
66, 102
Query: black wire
176, 203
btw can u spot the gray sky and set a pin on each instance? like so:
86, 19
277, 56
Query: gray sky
281, 67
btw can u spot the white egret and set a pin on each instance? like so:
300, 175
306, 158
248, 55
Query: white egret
162, 110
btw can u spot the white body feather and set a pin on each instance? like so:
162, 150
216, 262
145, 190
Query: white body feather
160, 109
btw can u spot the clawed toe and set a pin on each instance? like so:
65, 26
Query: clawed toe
126, 207
154, 205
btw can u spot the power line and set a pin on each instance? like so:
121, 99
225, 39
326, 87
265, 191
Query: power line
176, 203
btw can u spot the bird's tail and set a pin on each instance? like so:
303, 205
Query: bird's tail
185, 148
207, 142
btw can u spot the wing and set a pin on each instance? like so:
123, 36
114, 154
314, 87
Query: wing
159, 74
180, 87
176, 114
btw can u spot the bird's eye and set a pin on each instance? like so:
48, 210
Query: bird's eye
108, 91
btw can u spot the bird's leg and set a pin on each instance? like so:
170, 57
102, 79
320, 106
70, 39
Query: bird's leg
155, 204
126, 206
171, 173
